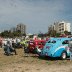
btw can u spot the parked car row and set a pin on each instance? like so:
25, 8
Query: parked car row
53, 47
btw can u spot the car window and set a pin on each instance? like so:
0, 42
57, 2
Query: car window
41, 43
53, 41
65, 42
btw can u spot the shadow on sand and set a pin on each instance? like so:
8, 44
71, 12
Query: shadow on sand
43, 58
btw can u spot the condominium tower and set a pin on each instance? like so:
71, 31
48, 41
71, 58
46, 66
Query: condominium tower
60, 27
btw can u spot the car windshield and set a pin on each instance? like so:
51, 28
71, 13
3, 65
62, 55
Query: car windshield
52, 41
31, 42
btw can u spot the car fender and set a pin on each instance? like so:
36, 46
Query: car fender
58, 51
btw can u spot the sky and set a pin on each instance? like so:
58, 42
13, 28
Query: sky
37, 15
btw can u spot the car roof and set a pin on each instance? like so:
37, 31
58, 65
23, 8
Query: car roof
60, 39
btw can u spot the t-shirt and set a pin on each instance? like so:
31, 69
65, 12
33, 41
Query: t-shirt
70, 45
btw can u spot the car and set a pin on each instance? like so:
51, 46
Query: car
56, 47
33, 44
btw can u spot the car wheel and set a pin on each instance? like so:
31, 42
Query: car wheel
63, 55
26, 50
35, 50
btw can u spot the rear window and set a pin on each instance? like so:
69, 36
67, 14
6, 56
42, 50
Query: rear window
65, 42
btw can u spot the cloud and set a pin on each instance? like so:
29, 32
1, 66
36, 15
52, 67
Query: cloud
36, 14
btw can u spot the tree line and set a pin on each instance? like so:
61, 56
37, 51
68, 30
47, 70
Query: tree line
51, 33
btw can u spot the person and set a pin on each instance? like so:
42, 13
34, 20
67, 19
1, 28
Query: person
9, 49
13, 47
70, 46
26, 49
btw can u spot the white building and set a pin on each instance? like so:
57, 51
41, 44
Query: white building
60, 27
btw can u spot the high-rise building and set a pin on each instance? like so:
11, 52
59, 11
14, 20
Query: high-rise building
22, 28
60, 27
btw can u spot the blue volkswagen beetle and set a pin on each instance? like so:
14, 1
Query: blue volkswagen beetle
56, 47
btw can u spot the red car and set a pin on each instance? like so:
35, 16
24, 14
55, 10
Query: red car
33, 44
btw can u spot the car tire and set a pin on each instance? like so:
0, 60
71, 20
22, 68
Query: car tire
35, 51
26, 50
63, 55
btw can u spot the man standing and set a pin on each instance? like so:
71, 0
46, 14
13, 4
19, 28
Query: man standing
70, 46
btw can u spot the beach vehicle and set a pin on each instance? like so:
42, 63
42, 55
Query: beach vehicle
34, 44
56, 47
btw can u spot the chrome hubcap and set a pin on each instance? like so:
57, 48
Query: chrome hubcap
64, 55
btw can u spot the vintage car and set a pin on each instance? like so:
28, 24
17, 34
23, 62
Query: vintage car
56, 47
34, 44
